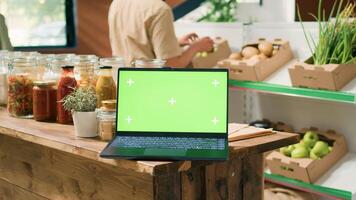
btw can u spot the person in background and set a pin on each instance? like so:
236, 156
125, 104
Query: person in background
5, 43
143, 29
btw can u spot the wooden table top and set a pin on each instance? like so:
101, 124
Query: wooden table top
61, 137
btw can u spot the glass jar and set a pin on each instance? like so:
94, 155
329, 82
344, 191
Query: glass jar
3, 77
107, 120
56, 64
85, 70
105, 88
43, 63
115, 63
149, 63
44, 101
22, 73
66, 85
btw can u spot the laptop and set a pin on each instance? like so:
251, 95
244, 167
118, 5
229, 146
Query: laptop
171, 114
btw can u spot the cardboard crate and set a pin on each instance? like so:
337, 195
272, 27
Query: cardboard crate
306, 169
258, 70
330, 77
223, 51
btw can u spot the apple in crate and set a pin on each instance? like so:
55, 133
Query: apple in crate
310, 138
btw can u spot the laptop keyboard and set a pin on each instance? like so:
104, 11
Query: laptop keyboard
170, 142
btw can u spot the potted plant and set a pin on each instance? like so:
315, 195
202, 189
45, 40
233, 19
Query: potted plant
82, 103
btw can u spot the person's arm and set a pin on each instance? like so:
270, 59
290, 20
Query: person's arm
200, 45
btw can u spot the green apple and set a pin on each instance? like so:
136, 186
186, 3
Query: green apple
300, 152
310, 138
313, 156
291, 148
198, 54
285, 151
320, 148
301, 144
204, 54
330, 149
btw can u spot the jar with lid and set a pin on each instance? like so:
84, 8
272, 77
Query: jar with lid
56, 64
105, 88
22, 73
107, 120
115, 63
85, 70
44, 101
3, 77
66, 85
149, 63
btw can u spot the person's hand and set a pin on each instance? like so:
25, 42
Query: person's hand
188, 39
203, 44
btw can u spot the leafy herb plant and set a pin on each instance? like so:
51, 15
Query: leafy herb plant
80, 100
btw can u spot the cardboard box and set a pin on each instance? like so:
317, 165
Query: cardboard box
258, 70
329, 77
222, 51
306, 169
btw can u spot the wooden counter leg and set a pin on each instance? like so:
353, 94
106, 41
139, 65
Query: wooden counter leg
252, 180
223, 180
167, 187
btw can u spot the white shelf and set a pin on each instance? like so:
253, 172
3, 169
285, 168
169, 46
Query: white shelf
341, 176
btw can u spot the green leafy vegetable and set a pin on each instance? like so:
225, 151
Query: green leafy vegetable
337, 37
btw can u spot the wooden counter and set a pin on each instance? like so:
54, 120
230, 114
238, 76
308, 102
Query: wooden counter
46, 161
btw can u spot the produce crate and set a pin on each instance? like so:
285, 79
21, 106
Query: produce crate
258, 70
306, 169
222, 51
330, 77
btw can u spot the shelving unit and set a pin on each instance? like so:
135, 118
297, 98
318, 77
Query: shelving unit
310, 107
279, 83
337, 182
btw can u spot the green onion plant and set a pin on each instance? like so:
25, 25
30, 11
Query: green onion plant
337, 37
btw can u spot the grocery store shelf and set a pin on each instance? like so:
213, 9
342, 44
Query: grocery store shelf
279, 83
339, 181
295, 91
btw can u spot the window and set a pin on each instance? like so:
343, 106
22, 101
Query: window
39, 23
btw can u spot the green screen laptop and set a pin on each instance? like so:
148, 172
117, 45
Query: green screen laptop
171, 114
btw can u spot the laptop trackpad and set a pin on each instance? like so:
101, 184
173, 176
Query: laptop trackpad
165, 152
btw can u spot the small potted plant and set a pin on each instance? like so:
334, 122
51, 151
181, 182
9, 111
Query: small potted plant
82, 103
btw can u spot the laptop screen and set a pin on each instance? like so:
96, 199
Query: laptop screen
177, 101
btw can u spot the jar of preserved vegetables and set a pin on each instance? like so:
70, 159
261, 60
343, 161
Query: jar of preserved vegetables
115, 63
107, 120
149, 63
105, 87
66, 85
44, 101
22, 73
85, 70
